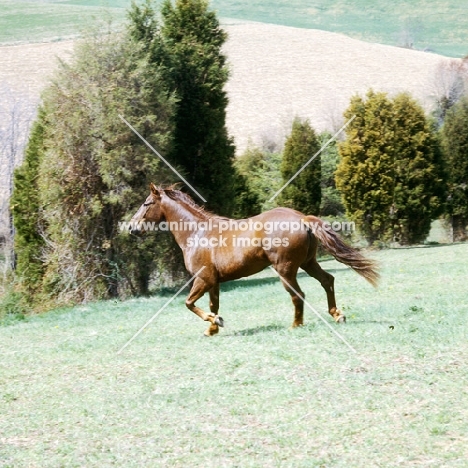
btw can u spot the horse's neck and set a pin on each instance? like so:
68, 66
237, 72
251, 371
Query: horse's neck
180, 213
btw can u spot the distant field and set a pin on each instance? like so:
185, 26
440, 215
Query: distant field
441, 26
39, 21
257, 395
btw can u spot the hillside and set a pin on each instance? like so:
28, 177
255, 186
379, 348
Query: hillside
438, 25
277, 72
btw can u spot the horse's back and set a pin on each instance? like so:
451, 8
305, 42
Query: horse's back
281, 214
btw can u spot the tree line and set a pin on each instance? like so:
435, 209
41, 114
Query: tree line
84, 171
394, 172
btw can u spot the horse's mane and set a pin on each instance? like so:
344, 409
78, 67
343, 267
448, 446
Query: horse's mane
187, 200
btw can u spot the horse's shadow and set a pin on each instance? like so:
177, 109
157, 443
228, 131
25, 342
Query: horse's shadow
249, 282
258, 330
275, 327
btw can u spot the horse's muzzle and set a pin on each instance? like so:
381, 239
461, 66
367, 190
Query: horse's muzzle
135, 231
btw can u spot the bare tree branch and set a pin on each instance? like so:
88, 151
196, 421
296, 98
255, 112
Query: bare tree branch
17, 112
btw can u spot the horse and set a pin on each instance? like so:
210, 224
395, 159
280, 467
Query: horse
218, 249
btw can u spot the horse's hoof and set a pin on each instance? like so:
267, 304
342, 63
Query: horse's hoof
341, 319
297, 325
219, 321
213, 330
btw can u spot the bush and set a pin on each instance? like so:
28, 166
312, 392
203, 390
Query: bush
13, 304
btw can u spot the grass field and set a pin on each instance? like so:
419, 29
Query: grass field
258, 394
441, 26
22, 22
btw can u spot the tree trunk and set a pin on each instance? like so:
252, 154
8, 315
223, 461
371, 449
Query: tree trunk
459, 228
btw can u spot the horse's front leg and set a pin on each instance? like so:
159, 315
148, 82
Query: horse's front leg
214, 307
199, 288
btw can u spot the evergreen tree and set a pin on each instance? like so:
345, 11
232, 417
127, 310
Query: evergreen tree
25, 208
304, 192
143, 26
247, 201
419, 189
455, 145
332, 203
144, 29
260, 169
195, 68
391, 172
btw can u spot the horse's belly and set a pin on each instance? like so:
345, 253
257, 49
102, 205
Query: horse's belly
249, 270
240, 264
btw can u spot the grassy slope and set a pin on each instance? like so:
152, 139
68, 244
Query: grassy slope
439, 25
258, 394
39, 21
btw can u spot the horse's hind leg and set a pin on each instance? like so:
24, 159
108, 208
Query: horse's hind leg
288, 278
199, 288
312, 268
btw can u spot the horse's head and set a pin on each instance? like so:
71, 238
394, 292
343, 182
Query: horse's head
149, 212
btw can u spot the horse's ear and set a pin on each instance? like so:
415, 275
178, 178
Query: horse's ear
154, 189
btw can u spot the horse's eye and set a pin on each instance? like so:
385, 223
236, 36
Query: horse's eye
148, 203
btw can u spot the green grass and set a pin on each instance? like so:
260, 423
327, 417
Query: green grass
441, 26
44, 21
258, 394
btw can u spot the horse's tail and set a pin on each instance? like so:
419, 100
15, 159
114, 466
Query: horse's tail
333, 244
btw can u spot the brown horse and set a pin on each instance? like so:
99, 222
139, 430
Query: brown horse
227, 249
